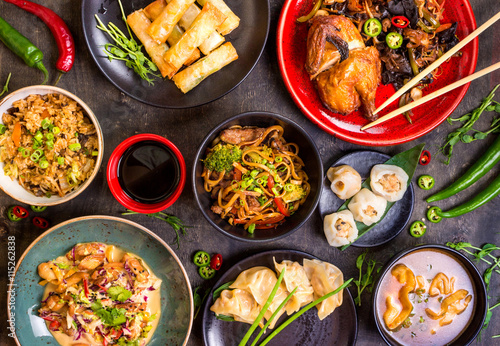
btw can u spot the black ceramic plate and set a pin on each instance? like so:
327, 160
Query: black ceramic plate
339, 328
249, 40
396, 219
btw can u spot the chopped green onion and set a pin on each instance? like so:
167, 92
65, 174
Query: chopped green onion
44, 163
264, 161
26, 153
251, 228
56, 130
242, 202
3, 128
254, 173
282, 168
60, 161
276, 178
262, 200
278, 159
270, 165
39, 152
74, 146
34, 157
276, 193
76, 134
49, 136
50, 144
38, 136
36, 145
288, 187
259, 190
95, 153
45, 124
260, 181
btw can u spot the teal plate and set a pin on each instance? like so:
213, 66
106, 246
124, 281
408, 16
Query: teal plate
176, 299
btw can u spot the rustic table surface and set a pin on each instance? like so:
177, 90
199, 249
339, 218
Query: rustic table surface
263, 90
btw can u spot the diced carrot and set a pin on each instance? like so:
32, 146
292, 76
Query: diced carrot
16, 134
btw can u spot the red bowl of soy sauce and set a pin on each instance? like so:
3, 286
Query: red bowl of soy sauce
146, 173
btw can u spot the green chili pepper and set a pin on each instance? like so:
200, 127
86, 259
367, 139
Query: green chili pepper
372, 27
475, 202
206, 272
315, 9
38, 208
22, 47
201, 259
394, 40
11, 215
413, 63
432, 215
482, 166
417, 229
426, 182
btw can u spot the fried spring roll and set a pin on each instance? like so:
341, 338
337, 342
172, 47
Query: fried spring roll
163, 25
232, 21
193, 75
154, 9
139, 23
175, 36
205, 23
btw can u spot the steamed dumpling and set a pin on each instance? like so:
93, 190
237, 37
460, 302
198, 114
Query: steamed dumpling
295, 276
389, 181
325, 278
366, 207
238, 304
346, 182
340, 228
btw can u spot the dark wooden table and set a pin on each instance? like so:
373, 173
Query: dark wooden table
263, 90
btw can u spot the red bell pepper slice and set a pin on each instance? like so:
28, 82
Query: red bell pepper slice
86, 287
281, 206
54, 325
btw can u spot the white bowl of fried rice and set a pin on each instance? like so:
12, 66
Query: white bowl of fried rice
51, 145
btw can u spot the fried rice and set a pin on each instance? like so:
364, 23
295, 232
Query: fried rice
58, 145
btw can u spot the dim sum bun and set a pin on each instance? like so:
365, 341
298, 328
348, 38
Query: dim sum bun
340, 228
366, 207
389, 181
346, 182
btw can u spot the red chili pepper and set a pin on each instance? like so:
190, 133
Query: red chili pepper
425, 158
282, 207
216, 261
54, 325
262, 222
20, 212
102, 288
400, 21
86, 287
115, 334
40, 222
59, 29
50, 319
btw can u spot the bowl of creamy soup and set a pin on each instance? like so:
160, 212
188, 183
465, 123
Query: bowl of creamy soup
84, 282
429, 295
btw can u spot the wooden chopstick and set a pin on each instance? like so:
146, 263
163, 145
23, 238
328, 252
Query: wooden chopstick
438, 62
432, 95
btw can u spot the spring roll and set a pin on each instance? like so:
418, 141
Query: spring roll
193, 75
175, 36
232, 21
154, 9
163, 25
139, 23
205, 23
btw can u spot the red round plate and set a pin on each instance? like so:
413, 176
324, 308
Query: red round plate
291, 41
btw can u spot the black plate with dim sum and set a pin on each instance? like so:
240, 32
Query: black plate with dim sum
249, 39
339, 328
396, 219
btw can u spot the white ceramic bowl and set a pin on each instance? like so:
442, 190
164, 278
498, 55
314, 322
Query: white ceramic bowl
12, 187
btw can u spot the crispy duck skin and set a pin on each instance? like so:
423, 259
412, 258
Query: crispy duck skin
353, 82
237, 136
329, 40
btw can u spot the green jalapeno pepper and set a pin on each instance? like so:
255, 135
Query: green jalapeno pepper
11, 216
311, 14
394, 40
201, 259
38, 208
206, 272
482, 166
16, 42
417, 229
432, 215
372, 27
426, 182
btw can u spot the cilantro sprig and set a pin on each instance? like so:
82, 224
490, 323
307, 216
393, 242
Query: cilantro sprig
109, 316
366, 280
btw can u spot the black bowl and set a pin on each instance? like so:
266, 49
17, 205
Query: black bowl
481, 307
308, 152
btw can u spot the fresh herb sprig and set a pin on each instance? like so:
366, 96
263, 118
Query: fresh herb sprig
367, 279
6, 86
199, 300
127, 49
172, 220
484, 254
468, 120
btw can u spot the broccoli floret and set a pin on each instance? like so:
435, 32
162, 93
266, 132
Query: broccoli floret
222, 157
295, 193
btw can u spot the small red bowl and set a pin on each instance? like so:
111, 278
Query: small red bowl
116, 188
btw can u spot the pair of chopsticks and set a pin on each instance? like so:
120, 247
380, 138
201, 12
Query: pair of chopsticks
429, 69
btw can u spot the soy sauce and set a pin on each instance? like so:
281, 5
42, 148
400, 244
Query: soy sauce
148, 172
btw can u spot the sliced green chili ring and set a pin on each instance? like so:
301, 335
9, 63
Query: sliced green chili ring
394, 40
206, 272
11, 216
3, 128
426, 182
372, 27
38, 208
417, 229
315, 9
251, 228
432, 216
56, 130
201, 258
74, 146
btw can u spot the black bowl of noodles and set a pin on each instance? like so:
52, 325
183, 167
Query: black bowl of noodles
271, 190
